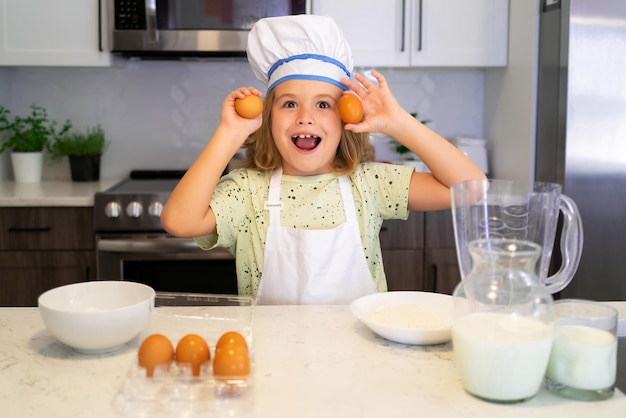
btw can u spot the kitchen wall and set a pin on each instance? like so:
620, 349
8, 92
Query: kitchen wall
160, 114
511, 98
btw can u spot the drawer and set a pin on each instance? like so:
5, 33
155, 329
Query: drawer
396, 234
26, 275
41, 228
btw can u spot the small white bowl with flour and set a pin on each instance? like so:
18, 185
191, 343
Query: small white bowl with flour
417, 318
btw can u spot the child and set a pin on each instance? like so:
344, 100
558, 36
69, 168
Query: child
303, 216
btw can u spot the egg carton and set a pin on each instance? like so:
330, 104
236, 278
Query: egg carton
173, 391
208, 315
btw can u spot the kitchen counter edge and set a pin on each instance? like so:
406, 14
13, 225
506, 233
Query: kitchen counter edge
52, 193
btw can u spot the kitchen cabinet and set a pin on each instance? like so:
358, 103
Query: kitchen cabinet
51, 33
402, 244
422, 33
441, 264
42, 248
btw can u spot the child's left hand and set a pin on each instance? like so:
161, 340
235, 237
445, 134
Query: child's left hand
380, 108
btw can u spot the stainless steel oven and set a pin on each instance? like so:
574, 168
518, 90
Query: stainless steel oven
132, 245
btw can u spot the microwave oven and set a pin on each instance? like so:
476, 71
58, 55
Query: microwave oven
180, 28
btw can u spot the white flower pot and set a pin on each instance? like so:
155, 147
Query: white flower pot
27, 166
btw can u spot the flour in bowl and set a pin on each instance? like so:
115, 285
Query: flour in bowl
408, 316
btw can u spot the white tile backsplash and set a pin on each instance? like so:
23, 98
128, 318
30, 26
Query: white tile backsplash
160, 114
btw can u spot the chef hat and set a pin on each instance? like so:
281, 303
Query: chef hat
305, 47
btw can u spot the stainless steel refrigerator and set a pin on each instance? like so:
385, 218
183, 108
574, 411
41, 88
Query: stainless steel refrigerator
581, 131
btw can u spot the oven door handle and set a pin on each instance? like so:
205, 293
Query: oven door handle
166, 245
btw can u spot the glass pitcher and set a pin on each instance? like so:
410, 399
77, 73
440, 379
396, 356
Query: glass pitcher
497, 209
502, 331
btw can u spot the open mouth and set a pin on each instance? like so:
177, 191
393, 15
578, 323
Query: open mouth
306, 142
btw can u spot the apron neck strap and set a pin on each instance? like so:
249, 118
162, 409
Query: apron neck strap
274, 205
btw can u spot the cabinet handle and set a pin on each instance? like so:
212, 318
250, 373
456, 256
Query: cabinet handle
403, 25
419, 33
40, 229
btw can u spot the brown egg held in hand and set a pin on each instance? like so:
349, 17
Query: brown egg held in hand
231, 361
249, 107
193, 349
156, 349
350, 108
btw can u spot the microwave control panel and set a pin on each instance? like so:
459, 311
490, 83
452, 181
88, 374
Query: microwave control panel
130, 14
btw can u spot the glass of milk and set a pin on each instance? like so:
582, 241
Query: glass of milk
583, 360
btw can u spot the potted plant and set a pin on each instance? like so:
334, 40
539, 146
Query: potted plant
26, 138
84, 150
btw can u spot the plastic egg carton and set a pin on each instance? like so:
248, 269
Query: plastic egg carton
210, 316
173, 391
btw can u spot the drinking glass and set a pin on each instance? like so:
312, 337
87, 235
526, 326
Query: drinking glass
583, 360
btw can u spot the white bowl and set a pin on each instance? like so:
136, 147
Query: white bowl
419, 318
97, 316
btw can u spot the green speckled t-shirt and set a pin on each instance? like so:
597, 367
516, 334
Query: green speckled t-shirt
380, 192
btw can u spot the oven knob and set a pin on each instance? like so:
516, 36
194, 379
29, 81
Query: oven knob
112, 210
155, 209
134, 210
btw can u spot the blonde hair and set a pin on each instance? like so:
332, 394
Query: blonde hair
262, 154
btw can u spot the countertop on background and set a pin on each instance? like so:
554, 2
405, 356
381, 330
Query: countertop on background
621, 313
309, 361
51, 193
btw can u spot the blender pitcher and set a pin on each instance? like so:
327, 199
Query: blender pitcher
512, 210
502, 331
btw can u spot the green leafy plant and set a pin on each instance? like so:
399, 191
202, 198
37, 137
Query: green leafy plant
401, 149
92, 142
29, 134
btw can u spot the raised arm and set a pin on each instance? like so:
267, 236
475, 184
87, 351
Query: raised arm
447, 164
187, 212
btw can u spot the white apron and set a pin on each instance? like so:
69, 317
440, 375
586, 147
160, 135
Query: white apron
302, 266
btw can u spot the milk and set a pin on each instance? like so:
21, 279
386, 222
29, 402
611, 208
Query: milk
583, 357
501, 357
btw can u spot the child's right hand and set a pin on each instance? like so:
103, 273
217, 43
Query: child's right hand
231, 120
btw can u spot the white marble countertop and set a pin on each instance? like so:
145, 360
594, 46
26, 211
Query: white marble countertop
51, 193
309, 361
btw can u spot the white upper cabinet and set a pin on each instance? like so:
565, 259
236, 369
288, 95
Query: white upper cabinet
422, 33
50, 33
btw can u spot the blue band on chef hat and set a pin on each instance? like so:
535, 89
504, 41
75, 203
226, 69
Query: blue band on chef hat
302, 76
305, 57
308, 77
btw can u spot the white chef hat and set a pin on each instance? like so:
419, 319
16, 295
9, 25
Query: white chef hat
306, 47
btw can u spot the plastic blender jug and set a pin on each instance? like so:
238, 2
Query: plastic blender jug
512, 210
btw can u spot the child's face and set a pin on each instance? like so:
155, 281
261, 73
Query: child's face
306, 125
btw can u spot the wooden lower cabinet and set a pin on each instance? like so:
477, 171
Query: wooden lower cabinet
441, 265
27, 274
404, 269
441, 270
42, 248
420, 253
402, 244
